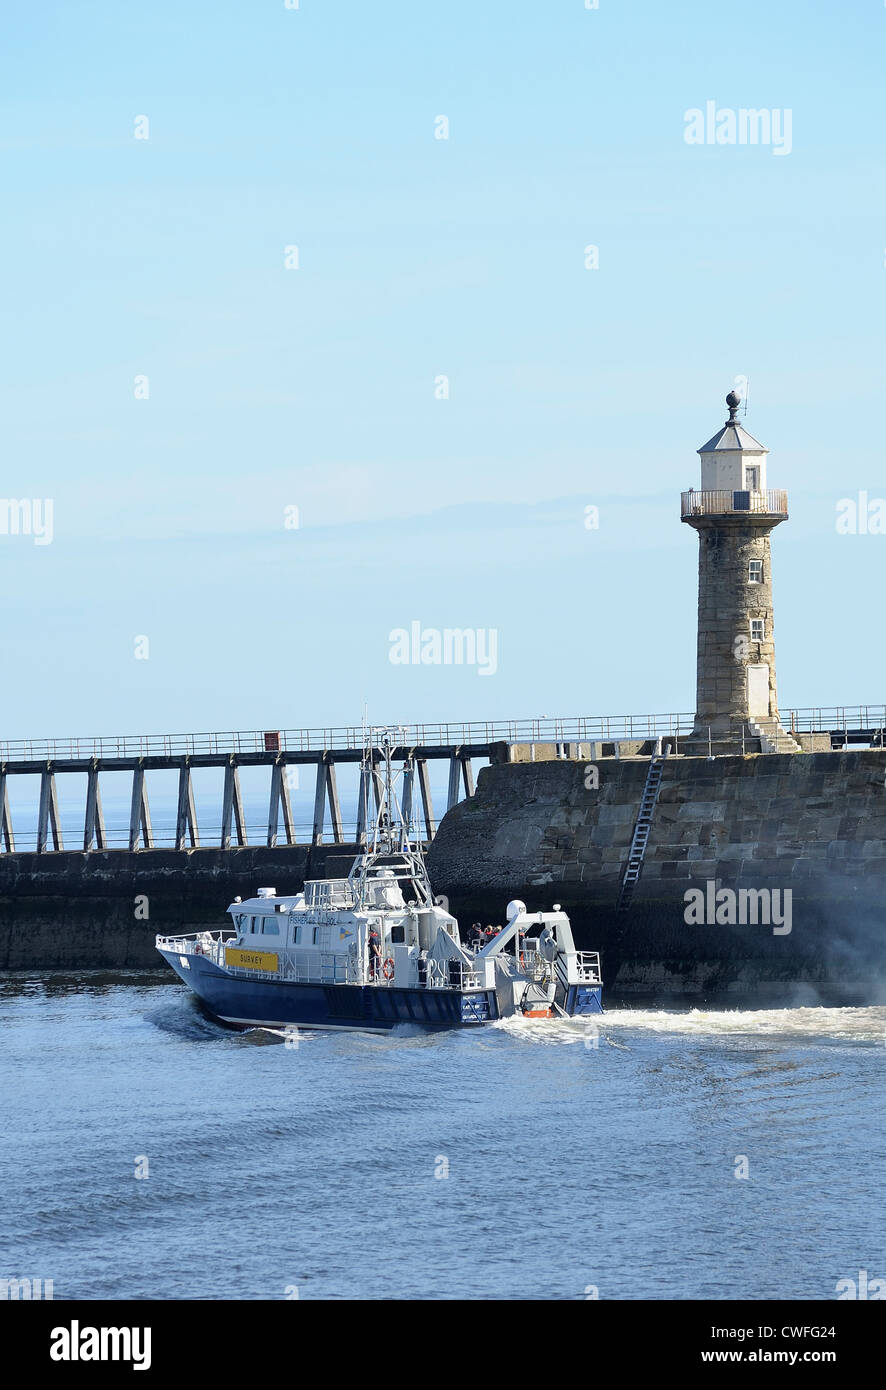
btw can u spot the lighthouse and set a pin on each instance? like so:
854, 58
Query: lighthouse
735, 513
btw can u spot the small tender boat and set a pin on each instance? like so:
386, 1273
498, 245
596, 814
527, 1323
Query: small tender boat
376, 949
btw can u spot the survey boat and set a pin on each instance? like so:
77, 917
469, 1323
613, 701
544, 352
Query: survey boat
377, 949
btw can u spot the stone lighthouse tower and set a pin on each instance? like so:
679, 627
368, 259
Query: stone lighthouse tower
734, 514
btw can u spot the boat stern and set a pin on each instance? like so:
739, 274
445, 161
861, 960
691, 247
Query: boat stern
583, 999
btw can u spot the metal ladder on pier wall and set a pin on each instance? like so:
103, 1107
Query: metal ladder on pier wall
637, 852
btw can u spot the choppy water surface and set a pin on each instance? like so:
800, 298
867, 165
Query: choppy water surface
574, 1158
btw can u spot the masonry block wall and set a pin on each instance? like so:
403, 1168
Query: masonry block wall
813, 823
78, 910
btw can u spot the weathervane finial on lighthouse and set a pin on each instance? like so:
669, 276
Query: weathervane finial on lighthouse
733, 400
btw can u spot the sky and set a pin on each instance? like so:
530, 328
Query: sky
181, 395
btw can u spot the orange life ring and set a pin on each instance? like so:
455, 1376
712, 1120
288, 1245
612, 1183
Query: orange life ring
388, 968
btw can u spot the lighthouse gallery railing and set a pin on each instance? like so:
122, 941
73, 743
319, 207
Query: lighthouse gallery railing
721, 502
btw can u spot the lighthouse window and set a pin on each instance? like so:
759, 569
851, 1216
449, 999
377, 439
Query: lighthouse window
758, 629
755, 571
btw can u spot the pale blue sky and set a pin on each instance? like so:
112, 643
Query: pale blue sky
315, 388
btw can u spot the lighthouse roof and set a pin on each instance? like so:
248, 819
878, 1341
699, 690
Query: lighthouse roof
733, 436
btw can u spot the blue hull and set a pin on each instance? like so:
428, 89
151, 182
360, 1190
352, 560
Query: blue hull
584, 999
281, 1004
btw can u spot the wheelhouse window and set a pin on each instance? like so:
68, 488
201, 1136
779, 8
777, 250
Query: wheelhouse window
755, 571
758, 629
271, 927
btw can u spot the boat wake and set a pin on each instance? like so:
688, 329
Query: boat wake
616, 1026
185, 1020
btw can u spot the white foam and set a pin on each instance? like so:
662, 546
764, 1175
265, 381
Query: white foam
859, 1024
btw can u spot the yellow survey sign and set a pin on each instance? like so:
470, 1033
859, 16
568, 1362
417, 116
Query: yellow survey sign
251, 960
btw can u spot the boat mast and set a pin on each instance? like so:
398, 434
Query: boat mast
391, 834
383, 839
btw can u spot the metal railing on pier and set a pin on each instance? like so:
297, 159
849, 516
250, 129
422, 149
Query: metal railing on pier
834, 719
478, 734
471, 733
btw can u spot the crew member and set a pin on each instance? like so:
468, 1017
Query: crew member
374, 953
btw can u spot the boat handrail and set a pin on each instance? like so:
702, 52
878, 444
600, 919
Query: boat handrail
329, 892
588, 966
331, 968
219, 934
439, 975
340, 971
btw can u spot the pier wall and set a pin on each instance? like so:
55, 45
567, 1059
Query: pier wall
79, 910
811, 823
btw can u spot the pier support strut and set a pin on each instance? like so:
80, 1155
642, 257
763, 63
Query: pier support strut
424, 786
280, 798
6, 836
326, 793
140, 829
47, 815
232, 807
186, 817
460, 773
94, 821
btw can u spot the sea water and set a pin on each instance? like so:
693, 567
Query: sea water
148, 1152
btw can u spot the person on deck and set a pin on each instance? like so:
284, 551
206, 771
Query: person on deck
374, 953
